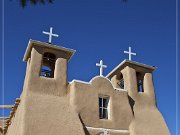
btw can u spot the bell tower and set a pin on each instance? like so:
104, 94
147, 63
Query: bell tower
46, 67
134, 77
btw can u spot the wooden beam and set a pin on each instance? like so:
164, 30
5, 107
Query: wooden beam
4, 117
6, 106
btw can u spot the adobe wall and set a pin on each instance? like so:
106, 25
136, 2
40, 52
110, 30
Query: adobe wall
147, 119
51, 106
17, 123
50, 115
39, 84
44, 108
84, 98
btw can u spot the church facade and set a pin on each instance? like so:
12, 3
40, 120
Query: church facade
121, 103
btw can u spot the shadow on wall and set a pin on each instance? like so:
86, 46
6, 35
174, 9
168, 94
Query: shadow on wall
84, 127
131, 102
1, 131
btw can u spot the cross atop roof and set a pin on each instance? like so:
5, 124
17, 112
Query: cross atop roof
50, 34
101, 67
130, 53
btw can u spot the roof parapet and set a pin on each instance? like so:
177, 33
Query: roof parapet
32, 43
138, 66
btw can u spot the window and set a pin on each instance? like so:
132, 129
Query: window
121, 83
103, 107
45, 71
48, 65
140, 78
140, 86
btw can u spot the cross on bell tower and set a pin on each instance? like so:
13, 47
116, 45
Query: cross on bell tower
101, 67
130, 53
50, 34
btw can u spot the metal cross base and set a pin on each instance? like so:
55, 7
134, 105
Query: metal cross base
105, 132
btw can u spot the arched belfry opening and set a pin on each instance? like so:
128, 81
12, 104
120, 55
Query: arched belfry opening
48, 65
140, 79
129, 75
43, 57
120, 82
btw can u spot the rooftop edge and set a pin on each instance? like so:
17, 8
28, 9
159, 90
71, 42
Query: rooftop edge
122, 64
44, 44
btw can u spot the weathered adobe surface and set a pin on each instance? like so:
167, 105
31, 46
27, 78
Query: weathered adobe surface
51, 106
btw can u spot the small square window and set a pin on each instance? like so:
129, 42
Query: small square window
103, 107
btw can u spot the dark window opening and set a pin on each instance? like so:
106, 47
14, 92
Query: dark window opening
49, 57
46, 71
140, 78
103, 107
48, 65
140, 86
121, 83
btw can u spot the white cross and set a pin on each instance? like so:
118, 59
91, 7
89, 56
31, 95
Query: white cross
130, 53
101, 67
50, 34
105, 132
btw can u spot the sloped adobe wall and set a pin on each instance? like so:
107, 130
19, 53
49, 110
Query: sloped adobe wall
147, 119
40, 114
50, 115
17, 123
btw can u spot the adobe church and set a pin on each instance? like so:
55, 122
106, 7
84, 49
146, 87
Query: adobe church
120, 103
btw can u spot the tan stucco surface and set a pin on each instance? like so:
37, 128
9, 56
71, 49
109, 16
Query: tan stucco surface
84, 98
147, 119
1, 123
51, 115
53, 106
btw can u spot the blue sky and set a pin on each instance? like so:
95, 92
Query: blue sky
96, 29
